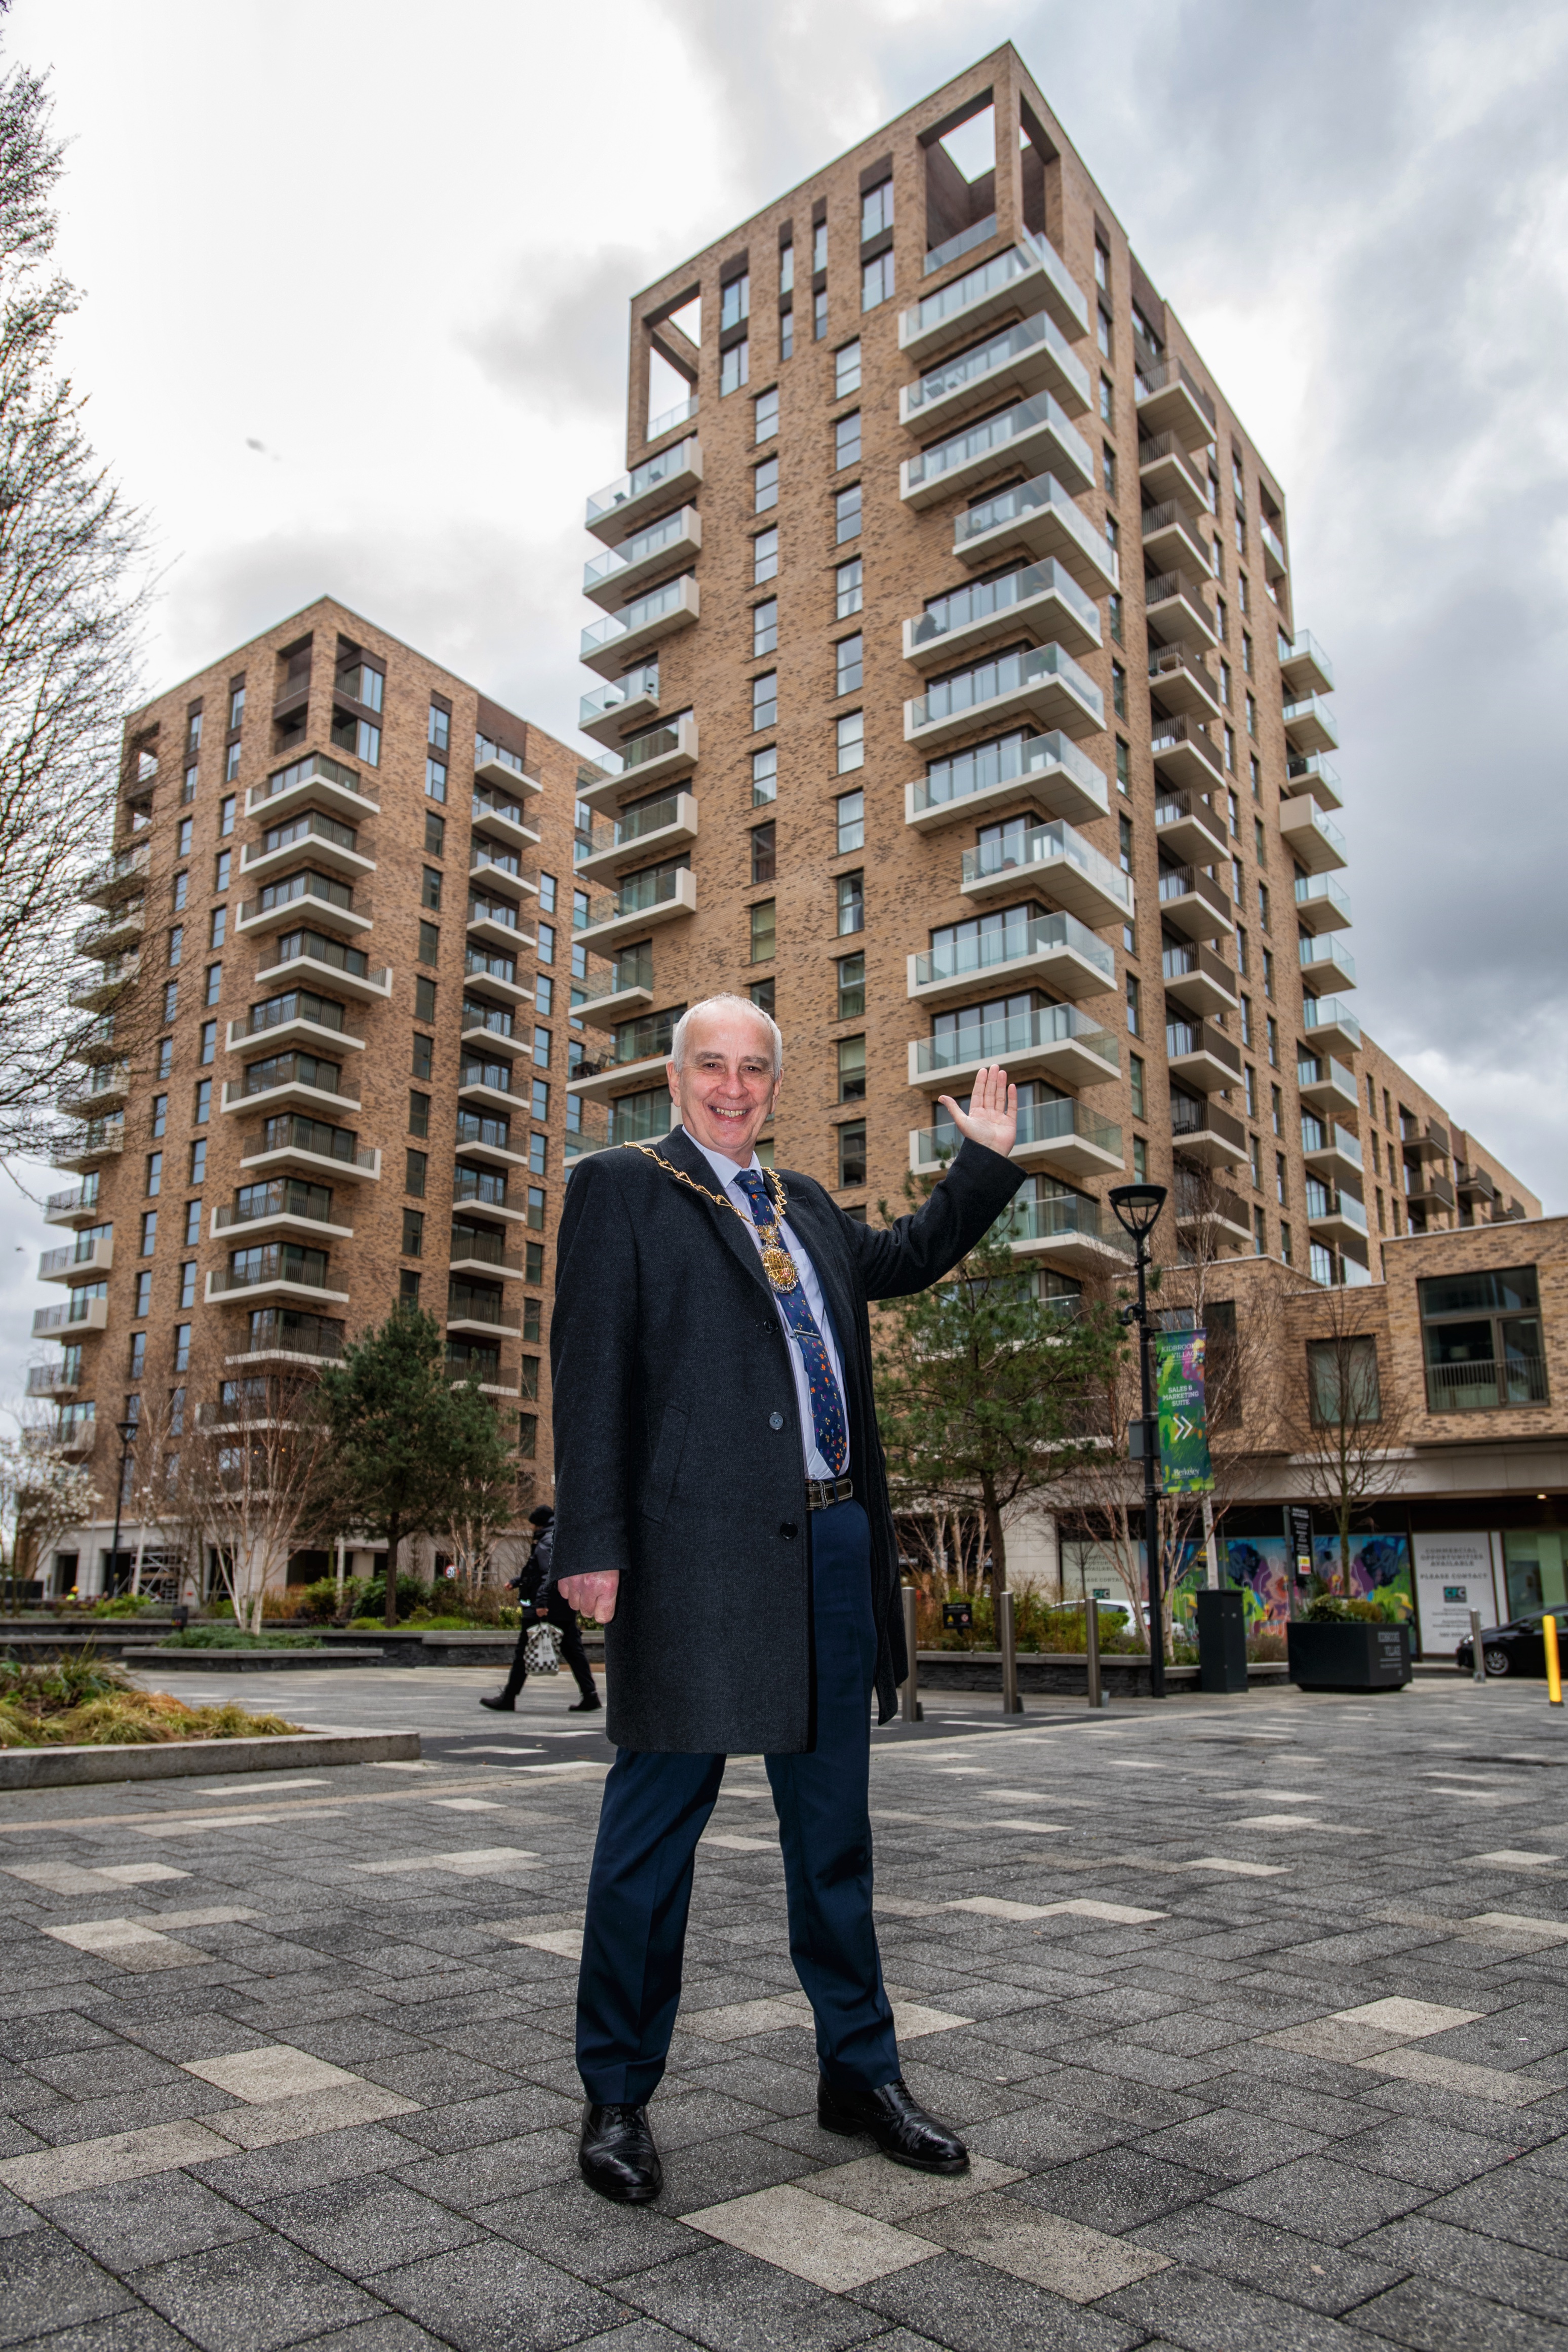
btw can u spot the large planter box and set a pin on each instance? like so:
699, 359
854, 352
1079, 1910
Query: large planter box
1348, 1656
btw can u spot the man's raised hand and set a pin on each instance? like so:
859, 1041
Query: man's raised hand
991, 1117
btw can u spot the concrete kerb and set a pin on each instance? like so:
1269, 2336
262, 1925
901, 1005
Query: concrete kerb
64, 1768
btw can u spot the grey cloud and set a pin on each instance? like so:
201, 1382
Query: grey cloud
558, 340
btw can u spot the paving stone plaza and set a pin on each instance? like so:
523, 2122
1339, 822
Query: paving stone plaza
1253, 2014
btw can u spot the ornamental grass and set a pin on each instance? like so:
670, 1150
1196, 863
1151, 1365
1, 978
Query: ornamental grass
92, 1703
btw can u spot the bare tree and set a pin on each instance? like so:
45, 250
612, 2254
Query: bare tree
255, 1476
72, 593
1350, 1424
43, 1493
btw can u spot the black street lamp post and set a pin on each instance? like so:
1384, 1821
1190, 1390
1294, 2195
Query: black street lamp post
126, 1430
1138, 1208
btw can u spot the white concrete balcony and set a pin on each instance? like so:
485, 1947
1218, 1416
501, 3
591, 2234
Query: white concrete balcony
1041, 601
646, 760
494, 922
482, 1136
1029, 274
303, 899
77, 1259
492, 1029
488, 1086
292, 1145
492, 973
669, 477
1202, 1133
1309, 771
1185, 759
63, 1379
1274, 558
1182, 680
326, 842
1202, 1206
1074, 1236
96, 1091
1329, 1025
1309, 725
1035, 433
1198, 981
1321, 905
123, 875
476, 1314
92, 991
498, 766
611, 1004
1041, 683
1056, 951
1326, 1085
1326, 963
101, 1140
1172, 539
283, 1209
605, 644
1057, 1043
75, 1436
1025, 359
603, 1081
327, 964
1304, 666
72, 1317
651, 830
1192, 902
496, 862
115, 932
614, 919
1167, 469
1039, 518
1063, 1139
1318, 847
1048, 773
674, 539
483, 1253
314, 782
1056, 860
496, 817
280, 1272
297, 1025
99, 1043
625, 702
1334, 1214
1186, 827
1176, 609
1332, 1151
1202, 1056
77, 1205
289, 1081
1170, 399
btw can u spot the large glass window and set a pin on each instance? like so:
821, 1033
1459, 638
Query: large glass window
1342, 1379
1482, 1341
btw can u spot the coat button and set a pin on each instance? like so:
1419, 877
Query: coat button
788, 1528
775, 1421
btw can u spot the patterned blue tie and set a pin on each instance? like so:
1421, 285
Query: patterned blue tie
827, 1429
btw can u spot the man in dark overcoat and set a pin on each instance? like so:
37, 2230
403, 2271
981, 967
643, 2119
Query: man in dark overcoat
722, 1509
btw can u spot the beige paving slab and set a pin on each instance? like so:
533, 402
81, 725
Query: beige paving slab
210, 1914
904, 1907
832, 2246
466, 1804
478, 1861
138, 1873
277, 2071
1062, 2256
1413, 2018
1520, 1923
1300, 1821
892, 2192
735, 1844
566, 1943
59, 1877
1240, 1869
1516, 1858
1331, 2038
230, 1821
734, 2021
912, 2019
1028, 1828
309, 2116
276, 1784
127, 1943
95, 2163
1087, 1906
996, 1906
1494, 2082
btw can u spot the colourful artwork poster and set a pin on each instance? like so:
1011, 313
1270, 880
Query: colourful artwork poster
1184, 1466
1380, 1571
1261, 1566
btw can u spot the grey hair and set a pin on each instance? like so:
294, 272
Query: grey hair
726, 1002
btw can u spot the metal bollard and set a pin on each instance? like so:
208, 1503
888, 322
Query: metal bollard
1477, 1658
909, 1706
1553, 1663
1091, 1646
1007, 1626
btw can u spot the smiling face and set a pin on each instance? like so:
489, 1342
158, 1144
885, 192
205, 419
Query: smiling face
726, 1090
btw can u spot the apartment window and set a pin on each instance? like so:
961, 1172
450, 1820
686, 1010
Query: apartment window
188, 1298
850, 892
847, 372
1276, 1109
1481, 1339
877, 281
734, 367
1286, 1249
763, 930
852, 1155
142, 1297
851, 988
1119, 689
1260, 849
847, 514
1102, 331
150, 1221
765, 416
418, 1104
1135, 1084
1246, 1020
1282, 1179
1254, 1156
438, 729
764, 776
213, 989
1129, 938
764, 852
429, 943
222, 868
819, 315
531, 1313
193, 1224
762, 993
415, 1165
877, 210
436, 780
1234, 810
1246, 654
430, 889
1132, 1006
424, 998
1108, 468
851, 1069
226, 817
1221, 628
1124, 843
819, 247
408, 1285
1241, 962
138, 1354
1255, 768
766, 699
1107, 401
1225, 683
1252, 715
735, 301
848, 588
1114, 608
1243, 599
1240, 532
1341, 1381
182, 838
165, 1064
765, 629
201, 1109
547, 894
1230, 748
787, 268
424, 1056
176, 942
850, 735
545, 992
434, 834
180, 892
1123, 767
846, 663
847, 440
217, 929
546, 948
786, 331
765, 557
1249, 1078
765, 486
538, 1099
209, 1042
1140, 1160
851, 828
1273, 1043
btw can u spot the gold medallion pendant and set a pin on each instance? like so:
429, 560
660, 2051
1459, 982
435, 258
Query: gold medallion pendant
779, 1267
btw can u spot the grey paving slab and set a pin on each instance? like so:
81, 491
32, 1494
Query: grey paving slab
973, 2307
46, 2283
495, 2297
251, 2298
154, 2220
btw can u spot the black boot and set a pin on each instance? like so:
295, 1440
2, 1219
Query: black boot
895, 2120
585, 1705
616, 2155
503, 1703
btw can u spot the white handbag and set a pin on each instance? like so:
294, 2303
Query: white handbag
544, 1658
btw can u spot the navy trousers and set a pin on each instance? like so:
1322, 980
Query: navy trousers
655, 1808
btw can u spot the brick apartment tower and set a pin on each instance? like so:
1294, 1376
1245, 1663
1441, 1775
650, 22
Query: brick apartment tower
956, 707
333, 886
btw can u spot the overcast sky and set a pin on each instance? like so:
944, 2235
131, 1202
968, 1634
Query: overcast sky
355, 283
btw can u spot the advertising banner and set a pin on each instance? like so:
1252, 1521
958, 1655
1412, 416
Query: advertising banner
1184, 1466
1453, 1576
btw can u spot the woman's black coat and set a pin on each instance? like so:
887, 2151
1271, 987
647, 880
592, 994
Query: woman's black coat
679, 1460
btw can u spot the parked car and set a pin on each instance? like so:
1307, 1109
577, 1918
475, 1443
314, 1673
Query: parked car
1517, 1648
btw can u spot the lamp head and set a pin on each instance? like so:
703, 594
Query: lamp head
126, 1430
1137, 1207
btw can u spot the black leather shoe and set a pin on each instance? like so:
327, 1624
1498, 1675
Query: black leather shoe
500, 1705
895, 2120
588, 1705
616, 2155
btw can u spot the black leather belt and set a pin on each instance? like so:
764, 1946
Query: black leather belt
821, 1494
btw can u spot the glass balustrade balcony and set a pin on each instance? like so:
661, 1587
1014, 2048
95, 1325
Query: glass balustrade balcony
1274, 561
1309, 725
1331, 1150
1331, 1025
1198, 980
1049, 771
1064, 864
1056, 950
89, 1255
122, 875
622, 504
1191, 902
1182, 683
673, 539
1186, 826
1320, 904
1058, 1043
1184, 756
1074, 1233
1168, 470
623, 703
1176, 609
1032, 269
614, 916
606, 643
669, 822
1201, 1131
321, 897
1304, 666
1038, 682
120, 928
1326, 963
1309, 771
1326, 1085
1170, 399
316, 780
1172, 540
1316, 844
1062, 1137
1043, 598
1029, 358
1038, 517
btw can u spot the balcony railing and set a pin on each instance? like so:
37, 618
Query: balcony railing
1007, 943
953, 249
486, 1249
1273, 543
1015, 504
314, 769
670, 531
1015, 852
964, 607
1484, 1386
97, 1254
636, 823
1177, 735
989, 681
980, 286
1189, 1117
986, 359
1014, 756
659, 603
638, 686
1039, 1221
76, 1200
270, 1265
1161, 375
669, 466
1016, 1034
1039, 1123
636, 895
298, 890
681, 413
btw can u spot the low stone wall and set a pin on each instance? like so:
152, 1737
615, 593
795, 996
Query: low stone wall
248, 1662
63, 1767
1123, 1674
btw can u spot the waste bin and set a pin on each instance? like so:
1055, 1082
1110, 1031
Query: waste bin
1222, 1641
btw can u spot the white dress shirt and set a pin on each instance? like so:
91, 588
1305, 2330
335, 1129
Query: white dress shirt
727, 1171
